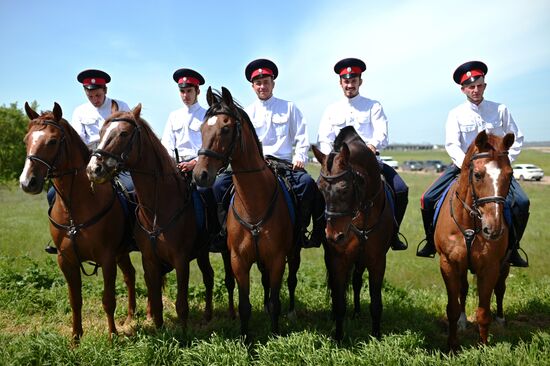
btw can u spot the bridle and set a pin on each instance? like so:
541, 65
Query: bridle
473, 210
362, 206
236, 137
52, 171
123, 157
476, 200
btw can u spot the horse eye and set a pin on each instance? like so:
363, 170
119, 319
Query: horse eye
124, 133
51, 142
478, 176
225, 130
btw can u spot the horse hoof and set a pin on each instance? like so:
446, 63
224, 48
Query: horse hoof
462, 322
500, 321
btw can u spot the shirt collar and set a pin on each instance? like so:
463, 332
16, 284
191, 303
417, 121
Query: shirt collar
268, 102
353, 100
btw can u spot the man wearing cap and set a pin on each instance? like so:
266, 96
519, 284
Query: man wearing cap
182, 138
88, 118
463, 124
282, 131
369, 120
182, 135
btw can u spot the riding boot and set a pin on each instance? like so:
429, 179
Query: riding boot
428, 251
318, 235
401, 201
515, 235
51, 199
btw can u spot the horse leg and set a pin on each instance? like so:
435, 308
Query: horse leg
109, 302
229, 283
153, 280
182, 303
265, 285
357, 283
451, 277
203, 260
462, 320
241, 270
74, 284
292, 281
129, 273
376, 278
337, 279
486, 282
500, 289
276, 271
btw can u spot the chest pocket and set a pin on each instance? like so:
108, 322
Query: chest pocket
468, 127
280, 124
195, 125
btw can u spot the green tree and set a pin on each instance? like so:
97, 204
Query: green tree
13, 126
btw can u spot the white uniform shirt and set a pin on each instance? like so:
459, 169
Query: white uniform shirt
279, 124
468, 119
364, 114
87, 120
182, 131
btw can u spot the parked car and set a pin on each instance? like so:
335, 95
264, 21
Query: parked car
435, 165
527, 172
388, 160
413, 165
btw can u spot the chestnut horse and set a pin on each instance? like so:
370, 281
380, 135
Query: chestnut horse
360, 224
471, 232
259, 227
167, 233
87, 222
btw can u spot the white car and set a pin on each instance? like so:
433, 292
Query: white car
527, 172
388, 160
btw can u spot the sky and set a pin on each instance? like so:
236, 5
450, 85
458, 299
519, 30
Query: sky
411, 49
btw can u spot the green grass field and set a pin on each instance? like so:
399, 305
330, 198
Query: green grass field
35, 315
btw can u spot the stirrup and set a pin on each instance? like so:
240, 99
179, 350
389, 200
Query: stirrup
49, 249
420, 252
400, 245
526, 260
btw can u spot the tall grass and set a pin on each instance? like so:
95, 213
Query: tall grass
35, 315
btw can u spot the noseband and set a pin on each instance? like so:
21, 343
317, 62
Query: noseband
121, 159
51, 166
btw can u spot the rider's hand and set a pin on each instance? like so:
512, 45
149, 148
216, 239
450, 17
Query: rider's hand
298, 165
187, 166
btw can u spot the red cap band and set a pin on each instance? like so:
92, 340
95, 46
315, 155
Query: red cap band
188, 80
94, 81
471, 74
261, 72
350, 70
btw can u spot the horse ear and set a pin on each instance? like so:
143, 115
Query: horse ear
226, 96
508, 140
318, 154
345, 153
210, 96
481, 139
137, 111
30, 112
57, 112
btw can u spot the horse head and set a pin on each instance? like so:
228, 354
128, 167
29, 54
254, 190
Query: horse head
46, 155
119, 136
486, 175
221, 132
342, 190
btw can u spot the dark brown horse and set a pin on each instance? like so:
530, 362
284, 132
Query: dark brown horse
259, 227
86, 222
167, 233
471, 232
360, 224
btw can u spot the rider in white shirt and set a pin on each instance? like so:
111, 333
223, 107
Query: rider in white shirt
463, 124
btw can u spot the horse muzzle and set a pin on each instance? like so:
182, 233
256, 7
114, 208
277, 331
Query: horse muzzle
98, 172
31, 184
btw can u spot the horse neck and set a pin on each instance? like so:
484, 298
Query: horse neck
156, 187
463, 190
255, 189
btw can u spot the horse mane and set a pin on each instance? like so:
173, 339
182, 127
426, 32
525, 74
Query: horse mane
73, 138
362, 158
165, 164
237, 112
